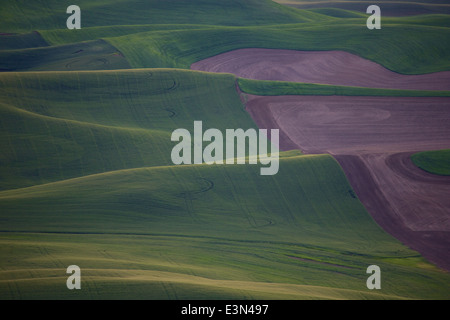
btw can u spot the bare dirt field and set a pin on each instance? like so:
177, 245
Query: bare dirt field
410, 204
372, 138
355, 125
326, 67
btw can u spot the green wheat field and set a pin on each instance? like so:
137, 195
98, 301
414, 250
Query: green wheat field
86, 176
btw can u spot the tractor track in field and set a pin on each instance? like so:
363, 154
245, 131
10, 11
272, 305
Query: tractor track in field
171, 112
190, 196
372, 138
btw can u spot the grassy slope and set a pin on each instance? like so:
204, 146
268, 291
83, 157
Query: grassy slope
437, 162
407, 45
96, 147
276, 88
51, 14
21, 41
156, 228
115, 18
161, 231
408, 49
62, 125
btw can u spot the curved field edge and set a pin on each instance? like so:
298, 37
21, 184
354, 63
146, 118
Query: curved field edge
60, 125
412, 45
301, 233
280, 88
159, 285
63, 36
407, 48
402, 52
435, 162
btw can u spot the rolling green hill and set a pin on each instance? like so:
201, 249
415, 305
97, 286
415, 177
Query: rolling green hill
403, 41
19, 16
68, 124
205, 231
88, 55
410, 45
106, 198
86, 176
396, 47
